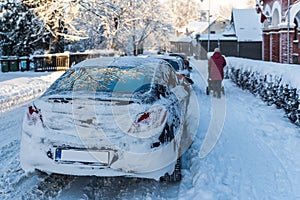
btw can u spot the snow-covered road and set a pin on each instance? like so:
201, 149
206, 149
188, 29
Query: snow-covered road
256, 157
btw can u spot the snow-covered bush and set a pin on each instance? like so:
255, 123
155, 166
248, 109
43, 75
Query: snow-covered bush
277, 84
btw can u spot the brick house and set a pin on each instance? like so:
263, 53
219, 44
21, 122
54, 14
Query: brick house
279, 22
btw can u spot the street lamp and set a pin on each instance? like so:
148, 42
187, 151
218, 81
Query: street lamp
208, 30
288, 33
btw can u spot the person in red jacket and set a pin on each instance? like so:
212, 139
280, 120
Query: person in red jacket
216, 65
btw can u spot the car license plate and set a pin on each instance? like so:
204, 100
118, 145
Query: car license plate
82, 156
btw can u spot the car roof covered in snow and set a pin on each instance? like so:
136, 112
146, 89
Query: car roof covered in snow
104, 61
125, 61
128, 61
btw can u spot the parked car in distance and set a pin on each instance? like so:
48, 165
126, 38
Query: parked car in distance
126, 116
185, 59
177, 63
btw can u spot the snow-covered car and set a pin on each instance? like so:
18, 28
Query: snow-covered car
128, 116
177, 63
185, 59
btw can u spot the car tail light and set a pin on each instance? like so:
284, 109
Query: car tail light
186, 62
34, 115
149, 122
143, 117
181, 76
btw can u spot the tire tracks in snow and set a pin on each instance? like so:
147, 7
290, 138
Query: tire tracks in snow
15, 183
12, 174
128, 188
49, 186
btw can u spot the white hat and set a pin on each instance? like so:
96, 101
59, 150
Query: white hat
217, 50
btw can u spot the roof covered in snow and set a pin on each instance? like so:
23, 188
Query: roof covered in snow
181, 38
195, 27
216, 37
229, 31
247, 25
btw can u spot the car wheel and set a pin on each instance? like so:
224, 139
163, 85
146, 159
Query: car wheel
207, 91
175, 176
223, 91
167, 136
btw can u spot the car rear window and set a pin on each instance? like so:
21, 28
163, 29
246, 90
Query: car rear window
109, 79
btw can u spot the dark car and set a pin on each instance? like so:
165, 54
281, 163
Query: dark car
177, 63
185, 59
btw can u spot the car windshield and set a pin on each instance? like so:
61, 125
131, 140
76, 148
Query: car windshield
105, 79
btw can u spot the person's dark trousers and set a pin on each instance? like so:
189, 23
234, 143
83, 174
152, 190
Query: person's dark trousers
216, 85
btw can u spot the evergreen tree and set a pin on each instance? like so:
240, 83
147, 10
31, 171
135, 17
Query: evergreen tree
20, 30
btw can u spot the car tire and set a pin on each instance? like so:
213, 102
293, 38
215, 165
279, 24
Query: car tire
167, 136
175, 176
207, 91
223, 90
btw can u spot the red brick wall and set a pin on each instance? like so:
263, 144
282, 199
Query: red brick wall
283, 2
285, 5
274, 45
275, 48
296, 48
266, 46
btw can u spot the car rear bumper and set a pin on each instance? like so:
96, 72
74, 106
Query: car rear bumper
64, 159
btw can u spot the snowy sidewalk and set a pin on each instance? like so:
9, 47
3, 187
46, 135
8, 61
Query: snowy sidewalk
256, 157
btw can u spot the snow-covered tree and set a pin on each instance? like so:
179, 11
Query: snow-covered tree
125, 25
182, 11
118, 24
60, 19
144, 21
21, 32
226, 9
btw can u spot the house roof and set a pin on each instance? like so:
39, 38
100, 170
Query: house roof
229, 31
247, 25
181, 38
216, 37
197, 27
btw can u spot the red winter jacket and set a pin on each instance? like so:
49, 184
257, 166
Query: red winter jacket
216, 64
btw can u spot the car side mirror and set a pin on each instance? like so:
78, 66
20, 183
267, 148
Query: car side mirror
189, 80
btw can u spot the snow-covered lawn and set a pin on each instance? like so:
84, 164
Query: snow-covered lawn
256, 155
20, 87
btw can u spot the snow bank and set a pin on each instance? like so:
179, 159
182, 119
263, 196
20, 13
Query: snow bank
17, 88
288, 72
277, 84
